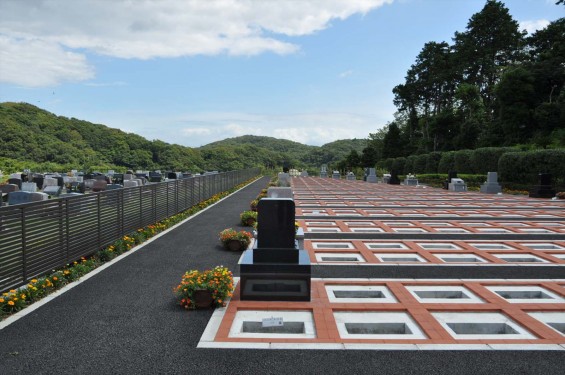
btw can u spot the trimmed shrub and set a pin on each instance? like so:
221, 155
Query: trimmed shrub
485, 159
432, 162
409, 166
420, 163
447, 162
462, 161
398, 165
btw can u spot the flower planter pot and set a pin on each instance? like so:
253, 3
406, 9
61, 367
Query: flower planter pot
202, 299
250, 221
234, 245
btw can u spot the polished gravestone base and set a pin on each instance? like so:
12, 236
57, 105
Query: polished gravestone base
268, 276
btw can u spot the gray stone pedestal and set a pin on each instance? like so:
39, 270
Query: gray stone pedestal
491, 185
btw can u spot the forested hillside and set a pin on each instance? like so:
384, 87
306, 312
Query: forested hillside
34, 138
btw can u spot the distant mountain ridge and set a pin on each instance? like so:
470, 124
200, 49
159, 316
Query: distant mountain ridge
34, 138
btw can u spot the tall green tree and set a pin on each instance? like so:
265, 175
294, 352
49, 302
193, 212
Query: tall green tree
491, 42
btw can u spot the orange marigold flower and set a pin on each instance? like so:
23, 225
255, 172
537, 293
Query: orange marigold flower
1, 300
11, 303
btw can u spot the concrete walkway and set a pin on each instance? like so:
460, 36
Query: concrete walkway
125, 320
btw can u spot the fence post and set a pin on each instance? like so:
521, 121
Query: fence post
99, 224
24, 258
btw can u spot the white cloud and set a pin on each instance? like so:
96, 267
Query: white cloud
347, 73
36, 63
49, 29
532, 26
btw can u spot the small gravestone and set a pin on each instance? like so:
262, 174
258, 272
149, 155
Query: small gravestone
457, 184
155, 177
304, 174
544, 188
394, 180
15, 181
49, 181
275, 269
99, 185
491, 185
38, 196
30, 187
324, 171
386, 178
130, 183
280, 192
128, 176
170, 176
19, 197
450, 175
53, 190
372, 176
350, 176
8, 188
411, 180
336, 175
283, 179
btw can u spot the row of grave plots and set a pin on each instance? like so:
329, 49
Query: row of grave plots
360, 223
358, 234
400, 314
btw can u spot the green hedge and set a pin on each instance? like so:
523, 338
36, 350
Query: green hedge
486, 159
432, 162
462, 161
447, 162
398, 165
521, 169
409, 166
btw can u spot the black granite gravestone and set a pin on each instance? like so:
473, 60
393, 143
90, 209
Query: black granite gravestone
15, 181
544, 189
394, 180
275, 269
450, 175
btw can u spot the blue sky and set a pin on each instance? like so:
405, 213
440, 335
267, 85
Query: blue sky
194, 72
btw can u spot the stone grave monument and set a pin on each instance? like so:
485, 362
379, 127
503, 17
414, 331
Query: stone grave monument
19, 197
411, 180
544, 188
450, 175
394, 180
491, 185
372, 176
275, 269
284, 179
457, 184
336, 175
351, 176
280, 192
324, 171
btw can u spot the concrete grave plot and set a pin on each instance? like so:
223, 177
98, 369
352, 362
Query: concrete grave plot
368, 225
399, 314
437, 253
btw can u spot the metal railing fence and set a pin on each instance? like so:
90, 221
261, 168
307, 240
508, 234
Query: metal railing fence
36, 238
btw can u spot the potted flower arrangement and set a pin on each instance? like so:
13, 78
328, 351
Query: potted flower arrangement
248, 218
202, 289
234, 240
